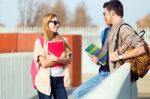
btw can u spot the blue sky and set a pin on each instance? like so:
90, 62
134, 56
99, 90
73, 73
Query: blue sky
134, 10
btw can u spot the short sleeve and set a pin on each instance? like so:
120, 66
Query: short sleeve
38, 51
130, 38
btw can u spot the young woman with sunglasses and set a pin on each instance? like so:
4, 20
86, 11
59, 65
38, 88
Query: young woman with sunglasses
49, 80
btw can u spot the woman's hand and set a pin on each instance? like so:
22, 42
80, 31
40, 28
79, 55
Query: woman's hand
51, 57
69, 53
64, 58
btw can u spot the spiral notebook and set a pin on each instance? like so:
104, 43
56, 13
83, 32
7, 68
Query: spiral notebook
92, 49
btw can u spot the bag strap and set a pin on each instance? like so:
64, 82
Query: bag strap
116, 41
143, 31
41, 41
105, 33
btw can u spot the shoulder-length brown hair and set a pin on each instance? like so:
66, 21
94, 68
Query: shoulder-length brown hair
47, 33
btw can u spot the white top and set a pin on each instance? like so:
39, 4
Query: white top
57, 71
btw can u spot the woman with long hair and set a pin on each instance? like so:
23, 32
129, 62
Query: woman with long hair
49, 80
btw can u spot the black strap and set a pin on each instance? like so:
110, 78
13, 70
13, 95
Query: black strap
116, 42
142, 33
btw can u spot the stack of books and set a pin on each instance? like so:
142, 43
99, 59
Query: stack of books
92, 49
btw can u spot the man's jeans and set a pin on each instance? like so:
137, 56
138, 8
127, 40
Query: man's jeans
89, 85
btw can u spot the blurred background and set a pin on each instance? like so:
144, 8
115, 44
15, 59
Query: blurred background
75, 13
21, 19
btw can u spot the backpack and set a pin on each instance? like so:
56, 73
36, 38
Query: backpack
33, 69
140, 65
104, 34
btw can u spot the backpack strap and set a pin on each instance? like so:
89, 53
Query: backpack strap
104, 36
142, 33
41, 41
116, 41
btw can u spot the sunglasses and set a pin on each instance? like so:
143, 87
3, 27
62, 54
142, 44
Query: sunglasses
55, 22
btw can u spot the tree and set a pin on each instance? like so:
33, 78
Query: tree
41, 11
24, 6
32, 11
2, 25
81, 18
61, 12
144, 22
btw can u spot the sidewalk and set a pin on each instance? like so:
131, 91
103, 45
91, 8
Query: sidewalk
143, 85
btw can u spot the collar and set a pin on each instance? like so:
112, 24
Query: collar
116, 24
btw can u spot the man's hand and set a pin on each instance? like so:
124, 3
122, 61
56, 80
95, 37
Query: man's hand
94, 59
114, 56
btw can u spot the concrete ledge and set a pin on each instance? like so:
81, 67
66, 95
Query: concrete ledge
115, 86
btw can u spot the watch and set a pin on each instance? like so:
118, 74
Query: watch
120, 57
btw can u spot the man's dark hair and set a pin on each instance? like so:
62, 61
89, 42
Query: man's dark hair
114, 5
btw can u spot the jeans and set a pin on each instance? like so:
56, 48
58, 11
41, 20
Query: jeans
57, 89
89, 85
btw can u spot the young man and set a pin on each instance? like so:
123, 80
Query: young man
113, 14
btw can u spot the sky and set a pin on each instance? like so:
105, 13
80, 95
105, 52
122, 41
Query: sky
134, 10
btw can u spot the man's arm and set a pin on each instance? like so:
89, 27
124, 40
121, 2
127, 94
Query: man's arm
130, 38
133, 53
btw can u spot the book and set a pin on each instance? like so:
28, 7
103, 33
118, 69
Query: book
56, 48
92, 49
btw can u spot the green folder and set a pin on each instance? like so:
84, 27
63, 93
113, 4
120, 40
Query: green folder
92, 49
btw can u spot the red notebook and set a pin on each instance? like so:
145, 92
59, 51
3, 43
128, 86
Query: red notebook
56, 48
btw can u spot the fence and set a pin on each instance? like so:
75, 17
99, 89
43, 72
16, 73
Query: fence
89, 34
15, 80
